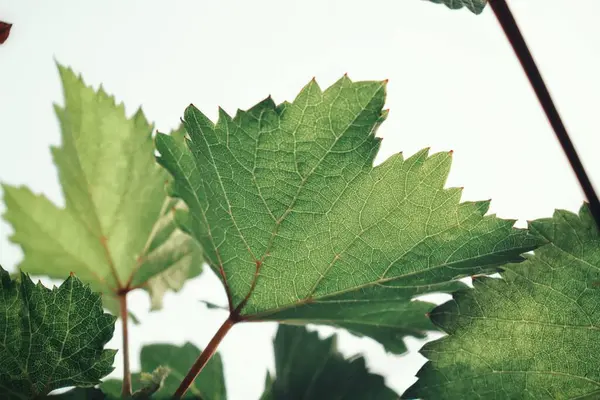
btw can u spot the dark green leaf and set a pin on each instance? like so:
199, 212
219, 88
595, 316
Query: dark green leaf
307, 367
476, 6
209, 385
51, 339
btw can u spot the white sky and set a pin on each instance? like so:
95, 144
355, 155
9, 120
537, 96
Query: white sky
454, 84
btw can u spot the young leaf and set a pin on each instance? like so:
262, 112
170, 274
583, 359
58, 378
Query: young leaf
116, 230
301, 227
535, 333
307, 367
51, 338
476, 6
209, 385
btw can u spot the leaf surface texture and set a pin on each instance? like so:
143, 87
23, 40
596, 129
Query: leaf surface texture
115, 230
302, 227
51, 338
534, 334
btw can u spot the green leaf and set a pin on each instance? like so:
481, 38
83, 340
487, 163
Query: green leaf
476, 6
116, 229
533, 334
209, 385
170, 247
307, 367
301, 227
51, 339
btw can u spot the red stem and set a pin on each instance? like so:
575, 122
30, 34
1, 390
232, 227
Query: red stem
126, 390
206, 355
514, 36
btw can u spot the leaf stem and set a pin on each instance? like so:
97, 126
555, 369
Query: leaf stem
206, 355
514, 36
126, 390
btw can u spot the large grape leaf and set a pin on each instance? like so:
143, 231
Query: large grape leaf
115, 231
209, 385
301, 227
476, 6
534, 334
307, 367
51, 338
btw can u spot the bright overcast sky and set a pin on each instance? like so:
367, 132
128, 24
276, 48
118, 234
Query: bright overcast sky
454, 84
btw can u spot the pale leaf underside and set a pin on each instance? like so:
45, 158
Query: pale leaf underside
115, 231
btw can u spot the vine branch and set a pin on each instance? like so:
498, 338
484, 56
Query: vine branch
126, 390
514, 36
205, 356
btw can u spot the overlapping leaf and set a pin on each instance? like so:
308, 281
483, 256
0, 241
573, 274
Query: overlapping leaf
209, 385
116, 230
307, 367
51, 339
301, 227
476, 6
534, 334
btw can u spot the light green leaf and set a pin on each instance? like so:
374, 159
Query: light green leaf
534, 334
476, 6
50, 339
169, 246
115, 231
307, 367
301, 227
209, 385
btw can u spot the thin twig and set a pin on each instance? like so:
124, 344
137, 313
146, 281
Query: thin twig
126, 390
511, 29
204, 357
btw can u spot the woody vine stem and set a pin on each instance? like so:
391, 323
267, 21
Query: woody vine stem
513, 34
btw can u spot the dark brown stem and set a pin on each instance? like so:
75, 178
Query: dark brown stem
126, 391
206, 355
514, 36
